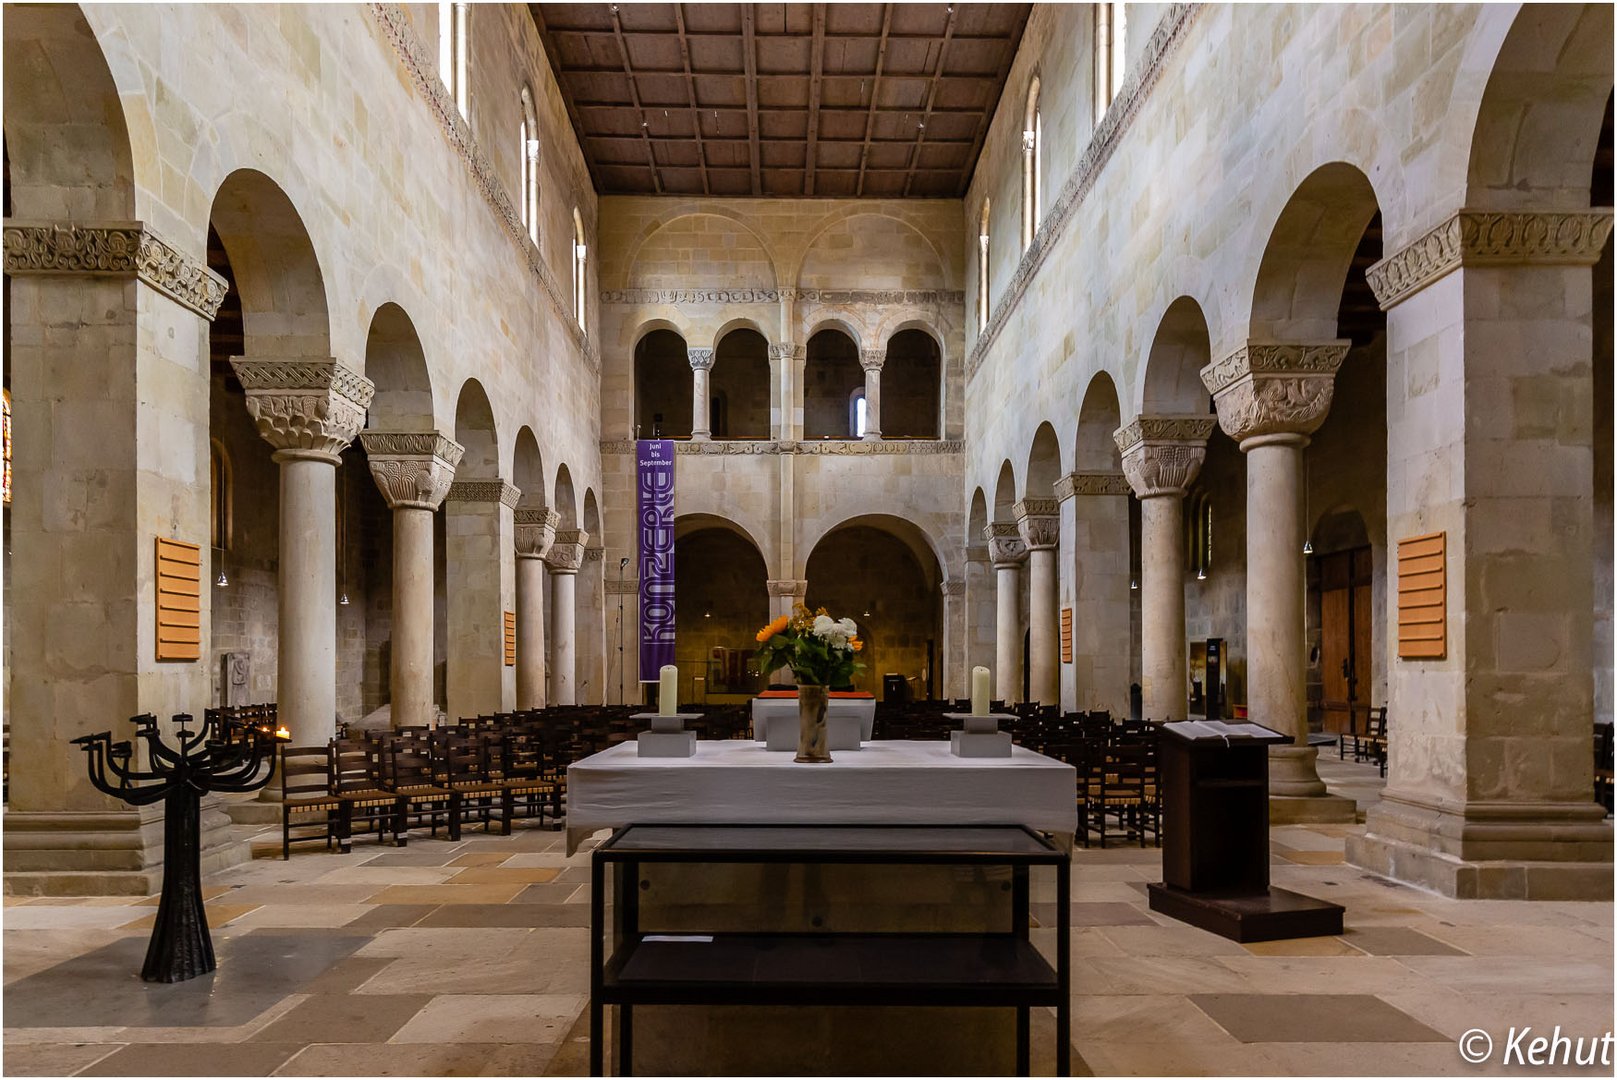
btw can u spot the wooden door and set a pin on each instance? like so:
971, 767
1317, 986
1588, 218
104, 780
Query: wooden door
1346, 637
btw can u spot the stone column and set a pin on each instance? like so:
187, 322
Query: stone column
872, 360
784, 596
565, 558
478, 559
980, 610
1271, 397
1007, 550
788, 359
309, 410
535, 530
413, 470
1161, 456
953, 680
701, 363
1039, 523
1095, 562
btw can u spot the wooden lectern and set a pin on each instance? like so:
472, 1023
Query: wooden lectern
1215, 843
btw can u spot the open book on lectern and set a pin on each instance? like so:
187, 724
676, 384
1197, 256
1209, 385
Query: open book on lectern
1218, 729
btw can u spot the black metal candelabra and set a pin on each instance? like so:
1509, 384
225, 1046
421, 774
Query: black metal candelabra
225, 755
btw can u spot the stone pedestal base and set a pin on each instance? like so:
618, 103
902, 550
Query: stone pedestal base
1293, 810
980, 736
1292, 772
667, 737
104, 853
1493, 851
253, 810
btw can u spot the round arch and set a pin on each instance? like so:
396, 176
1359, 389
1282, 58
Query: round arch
1005, 491
1099, 417
475, 430
528, 470
1043, 463
662, 384
565, 503
1179, 350
396, 364
277, 274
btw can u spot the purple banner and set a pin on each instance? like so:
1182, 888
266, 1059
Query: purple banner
654, 511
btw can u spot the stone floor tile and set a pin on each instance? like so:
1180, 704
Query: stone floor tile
367, 874
1517, 940
1126, 974
481, 858
344, 1017
423, 943
1144, 1018
1396, 941
540, 858
504, 875
523, 1059
553, 892
1174, 939
513, 914
387, 1059
301, 893
390, 916
1309, 946
60, 917
347, 975
1315, 858
56, 1059
1564, 974
446, 894
1359, 974
1171, 1059
193, 1059
218, 915
28, 952
493, 1018
412, 857
299, 916
1293, 1018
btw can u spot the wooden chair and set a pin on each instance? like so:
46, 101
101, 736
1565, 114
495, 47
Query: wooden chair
477, 796
356, 780
306, 794
1603, 766
408, 774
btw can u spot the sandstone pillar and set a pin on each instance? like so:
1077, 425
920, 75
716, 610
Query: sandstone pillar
1008, 551
1095, 583
872, 360
413, 470
788, 359
954, 678
535, 531
565, 558
309, 410
784, 596
981, 612
701, 363
1039, 523
1271, 397
478, 561
1161, 456
1489, 426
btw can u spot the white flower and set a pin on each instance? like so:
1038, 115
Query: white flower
824, 625
849, 630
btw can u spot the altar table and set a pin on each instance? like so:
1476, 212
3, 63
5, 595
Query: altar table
903, 782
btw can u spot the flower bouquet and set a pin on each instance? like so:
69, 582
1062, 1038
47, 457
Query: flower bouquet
820, 651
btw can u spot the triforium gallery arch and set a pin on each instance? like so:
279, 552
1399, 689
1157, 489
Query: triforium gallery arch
662, 385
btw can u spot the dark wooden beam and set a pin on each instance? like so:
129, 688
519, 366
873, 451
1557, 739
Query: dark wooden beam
931, 96
690, 94
749, 50
988, 114
555, 70
816, 68
875, 89
634, 95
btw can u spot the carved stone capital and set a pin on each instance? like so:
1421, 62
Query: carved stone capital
701, 359
595, 554
535, 529
1163, 454
1006, 548
1270, 388
115, 249
1490, 238
304, 408
484, 491
1091, 483
412, 468
1039, 523
787, 587
872, 359
787, 350
566, 554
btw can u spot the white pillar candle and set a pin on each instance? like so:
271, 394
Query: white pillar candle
668, 690
979, 691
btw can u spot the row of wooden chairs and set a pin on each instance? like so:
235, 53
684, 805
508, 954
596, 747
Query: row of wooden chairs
1369, 744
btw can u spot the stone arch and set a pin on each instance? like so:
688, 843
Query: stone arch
976, 517
1310, 250
591, 521
831, 373
528, 470
565, 502
1043, 463
1005, 491
67, 139
845, 326
662, 384
884, 248
276, 272
1179, 351
1099, 416
394, 361
475, 430
739, 383
752, 262
739, 323
912, 385
1539, 120
719, 607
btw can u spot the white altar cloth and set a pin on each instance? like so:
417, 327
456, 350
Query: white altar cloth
737, 781
765, 710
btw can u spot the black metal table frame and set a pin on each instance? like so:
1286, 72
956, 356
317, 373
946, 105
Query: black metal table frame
625, 926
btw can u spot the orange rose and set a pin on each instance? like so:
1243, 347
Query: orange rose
856, 645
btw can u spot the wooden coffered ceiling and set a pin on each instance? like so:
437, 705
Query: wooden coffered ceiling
876, 100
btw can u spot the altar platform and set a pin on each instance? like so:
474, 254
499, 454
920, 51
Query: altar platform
733, 781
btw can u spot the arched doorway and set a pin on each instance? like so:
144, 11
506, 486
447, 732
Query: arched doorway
720, 601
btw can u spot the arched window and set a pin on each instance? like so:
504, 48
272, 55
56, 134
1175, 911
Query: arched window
528, 149
220, 497
857, 413
1110, 22
579, 254
452, 59
982, 269
1199, 534
1032, 166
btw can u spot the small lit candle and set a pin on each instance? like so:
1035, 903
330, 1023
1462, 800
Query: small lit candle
668, 690
282, 733
979, 691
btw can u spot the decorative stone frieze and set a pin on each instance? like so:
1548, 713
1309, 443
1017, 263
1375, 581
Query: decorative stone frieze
701, 359
1091, 483
312, 408
117, 249
719, 295
1163, 454
413, 469
1490, 238
566, 554
484, 491
1268, 388
787, 587
595, 554
535, 530
622, 587
872, 359
1005, 544
1136, 89
805, 446
1039, 523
